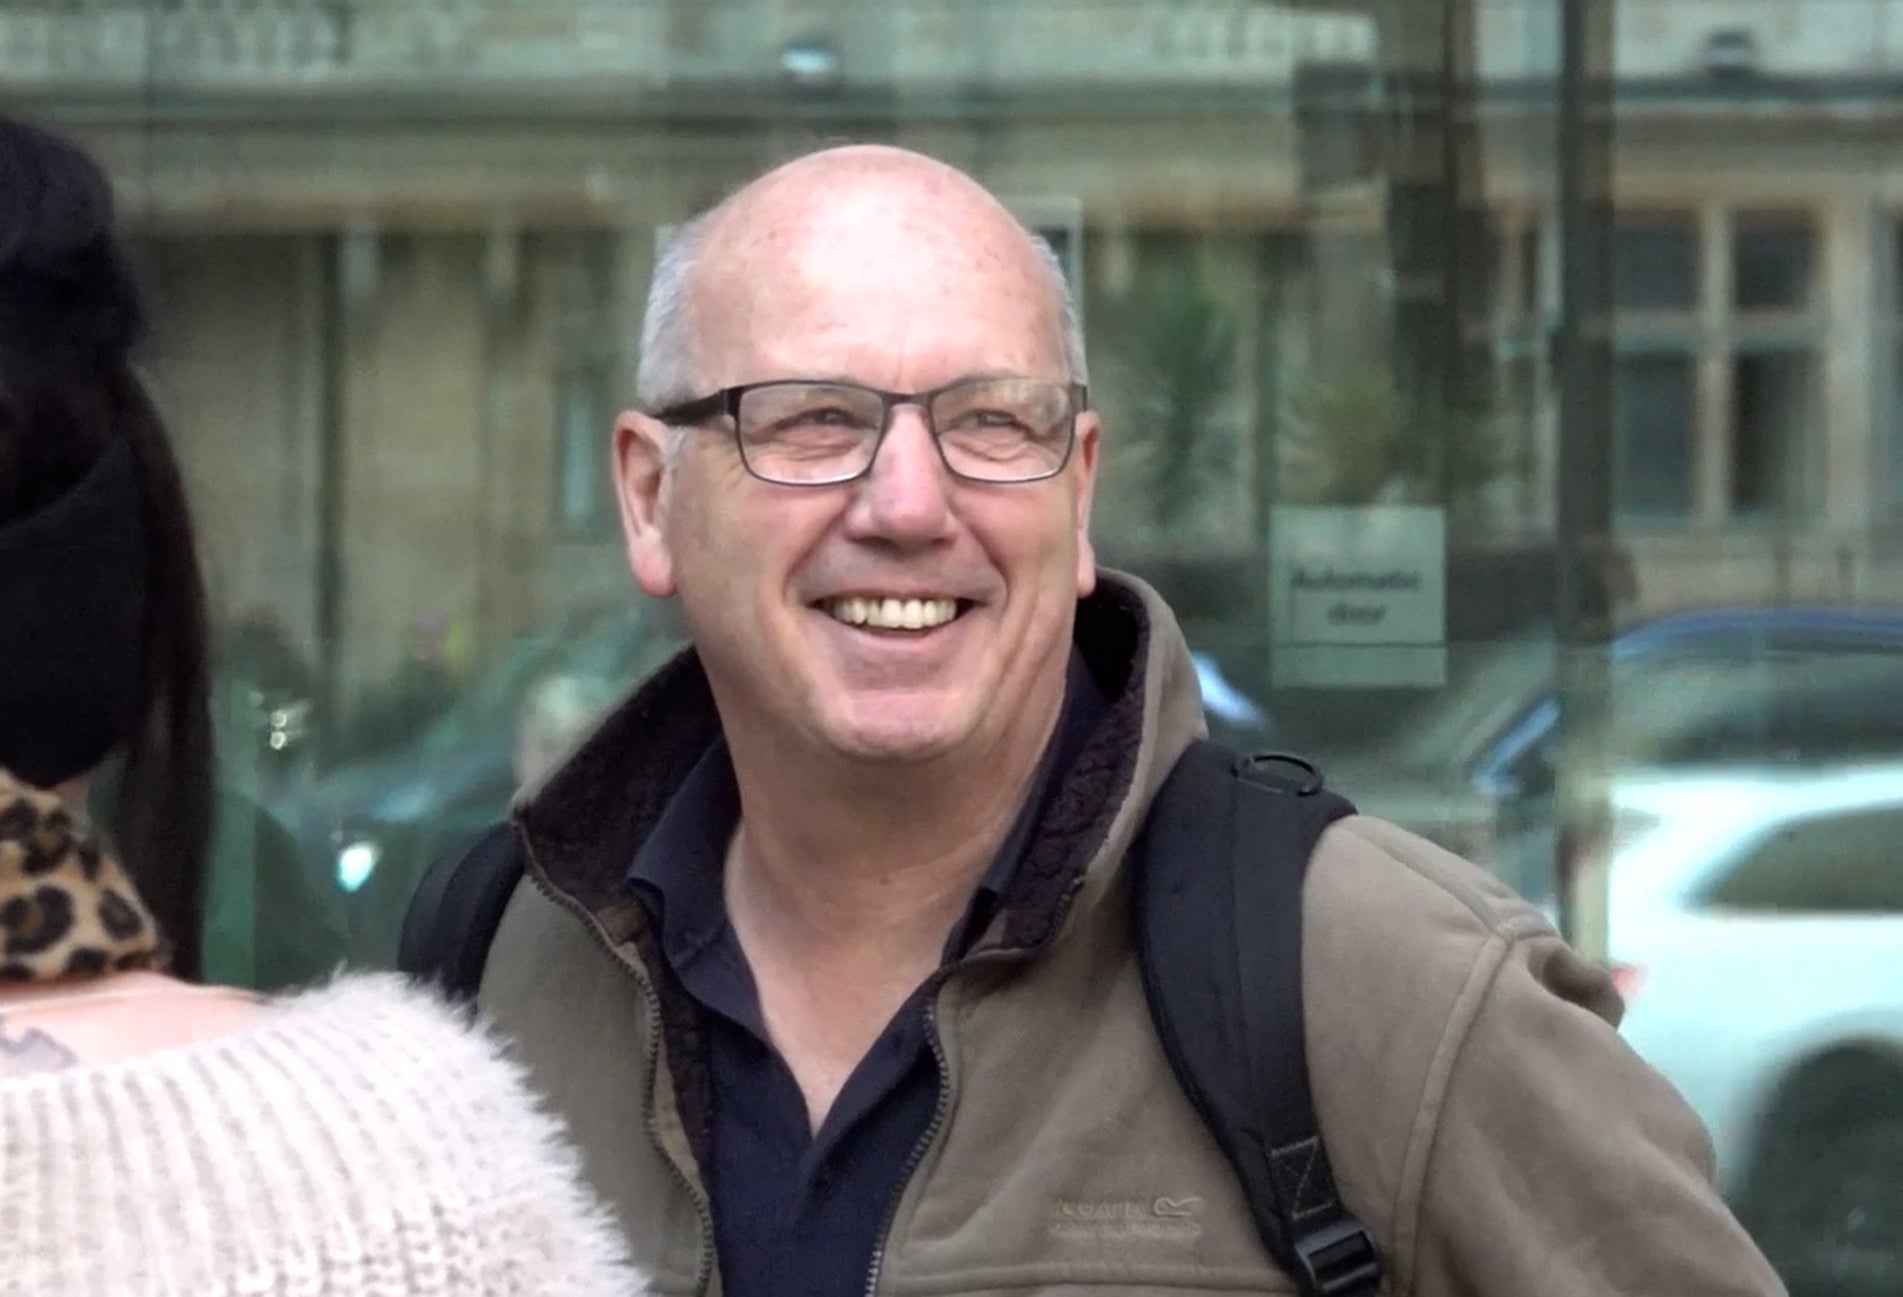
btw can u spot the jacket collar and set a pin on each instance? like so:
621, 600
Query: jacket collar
585, 822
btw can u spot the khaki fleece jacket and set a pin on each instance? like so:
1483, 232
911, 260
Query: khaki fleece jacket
1483, 1116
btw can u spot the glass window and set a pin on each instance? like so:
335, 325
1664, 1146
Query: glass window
1185, 360
1655, 263
1893, 417
1512, 272
1829, 864
1896, 269
584, 412
1532, 271
1339, 131
1771, 263
1773, 425
1652, 417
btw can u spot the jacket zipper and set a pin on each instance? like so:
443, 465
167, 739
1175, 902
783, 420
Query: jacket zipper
924, 1142
650, 1004
919, 1149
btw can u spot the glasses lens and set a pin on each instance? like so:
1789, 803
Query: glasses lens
802, 433
1005, 429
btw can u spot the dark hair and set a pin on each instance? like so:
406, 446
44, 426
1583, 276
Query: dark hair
71, 317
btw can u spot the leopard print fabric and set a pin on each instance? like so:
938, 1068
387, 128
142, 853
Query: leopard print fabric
67, 908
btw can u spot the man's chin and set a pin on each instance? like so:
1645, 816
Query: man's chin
895, 735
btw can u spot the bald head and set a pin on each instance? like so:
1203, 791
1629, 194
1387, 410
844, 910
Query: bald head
858, 219
838, 179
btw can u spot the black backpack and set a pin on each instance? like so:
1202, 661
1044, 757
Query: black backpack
1218, 874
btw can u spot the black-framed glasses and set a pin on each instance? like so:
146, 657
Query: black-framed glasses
811, 432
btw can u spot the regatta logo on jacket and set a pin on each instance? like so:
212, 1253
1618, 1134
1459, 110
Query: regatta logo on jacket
1106, 1218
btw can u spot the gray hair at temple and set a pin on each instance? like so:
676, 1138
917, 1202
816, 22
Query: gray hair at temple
666, 373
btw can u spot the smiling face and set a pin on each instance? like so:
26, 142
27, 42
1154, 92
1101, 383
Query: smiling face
908, 615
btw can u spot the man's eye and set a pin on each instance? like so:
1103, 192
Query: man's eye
819, 419
988, 419
829, 416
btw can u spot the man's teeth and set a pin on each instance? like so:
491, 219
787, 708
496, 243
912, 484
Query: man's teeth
894, 614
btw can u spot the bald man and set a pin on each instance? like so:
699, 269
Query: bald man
825, 948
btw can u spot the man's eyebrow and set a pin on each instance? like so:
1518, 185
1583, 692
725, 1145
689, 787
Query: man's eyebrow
844, 380
986, 375
848, 380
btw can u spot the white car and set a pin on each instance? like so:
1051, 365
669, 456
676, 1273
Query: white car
1755, 922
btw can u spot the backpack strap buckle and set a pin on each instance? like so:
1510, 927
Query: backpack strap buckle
1338, 1259
1308, 776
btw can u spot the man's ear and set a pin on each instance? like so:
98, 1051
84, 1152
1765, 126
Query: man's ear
1084, 471
640, 471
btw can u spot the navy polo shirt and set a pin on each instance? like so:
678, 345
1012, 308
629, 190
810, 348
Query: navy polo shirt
798, 1212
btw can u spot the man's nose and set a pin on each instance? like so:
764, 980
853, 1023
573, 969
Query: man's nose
906, 496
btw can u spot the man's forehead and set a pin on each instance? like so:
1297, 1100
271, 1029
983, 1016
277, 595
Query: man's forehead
867, 249
834, 247
825, 232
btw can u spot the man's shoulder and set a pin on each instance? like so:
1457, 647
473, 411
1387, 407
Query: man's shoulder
1404, 947
1403, 944
1373, 878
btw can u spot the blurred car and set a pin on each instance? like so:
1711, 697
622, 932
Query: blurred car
1756, 926
1233, 716
370, 828
1476, 770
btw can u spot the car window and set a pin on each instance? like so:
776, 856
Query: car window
1689, 702
617, 650
1688, 709
1849, 863
1490, 686
1838, 703
487, 702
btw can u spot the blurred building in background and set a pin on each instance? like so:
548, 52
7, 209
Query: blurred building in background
400, 248
1505, 393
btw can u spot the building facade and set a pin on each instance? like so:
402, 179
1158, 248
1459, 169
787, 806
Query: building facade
399, 252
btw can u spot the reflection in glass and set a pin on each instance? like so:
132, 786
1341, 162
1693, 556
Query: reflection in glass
1654, 263
1772, 426
1652, 417
1771, 263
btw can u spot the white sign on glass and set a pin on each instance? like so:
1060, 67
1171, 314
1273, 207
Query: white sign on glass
1358, 596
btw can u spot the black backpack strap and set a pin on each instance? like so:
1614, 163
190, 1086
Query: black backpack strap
456, 910
1218, 875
